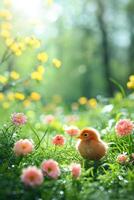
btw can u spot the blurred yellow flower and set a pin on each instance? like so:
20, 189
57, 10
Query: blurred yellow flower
92, 102
14, 75
131, 78
21, 46
6, 105
37, 43
17, 48
41, 69
36, 76
32, 42
26, 103
35, 96
130, 84
1, 96
5, 33
6, 26
3, 79
9, 41
5, 14
18, 53
82, 100
56, 63
14, 47
10, 96
19, 96
43, 57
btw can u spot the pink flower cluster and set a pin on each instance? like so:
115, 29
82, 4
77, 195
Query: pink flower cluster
124, 127
18, 119
72, 118
75, 170
32, 176
48, 119
51, 168
122, 158
71, 130
58, 140
23, 147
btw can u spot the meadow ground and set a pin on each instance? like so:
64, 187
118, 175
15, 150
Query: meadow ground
111, 179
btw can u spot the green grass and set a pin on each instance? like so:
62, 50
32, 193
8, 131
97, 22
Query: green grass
110, 181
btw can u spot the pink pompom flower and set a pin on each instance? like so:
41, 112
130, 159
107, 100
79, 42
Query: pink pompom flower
122, 158
32, 176
48, 119
124, 127
58, 140
23, 147
18, 119
51, 168
75, 170
71, 130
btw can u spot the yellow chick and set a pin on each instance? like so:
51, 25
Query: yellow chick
90, 145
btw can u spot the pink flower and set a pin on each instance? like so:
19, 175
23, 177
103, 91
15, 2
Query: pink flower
124, 127
32, 176
58, 140
71, 130
75, 170
72, 118
122, 158
18, 119
51, 168
48, 119
23, 147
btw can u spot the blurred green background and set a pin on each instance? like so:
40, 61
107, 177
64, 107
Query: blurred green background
94, 39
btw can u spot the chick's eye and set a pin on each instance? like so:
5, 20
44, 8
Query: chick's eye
85, 134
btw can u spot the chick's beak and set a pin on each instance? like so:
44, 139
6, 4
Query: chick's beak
78, 137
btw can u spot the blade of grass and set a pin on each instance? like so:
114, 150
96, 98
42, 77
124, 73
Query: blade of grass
34, 131
119, 86
40, 140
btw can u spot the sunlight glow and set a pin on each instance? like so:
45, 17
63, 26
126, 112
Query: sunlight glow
34, 9
36, 13
28, 8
